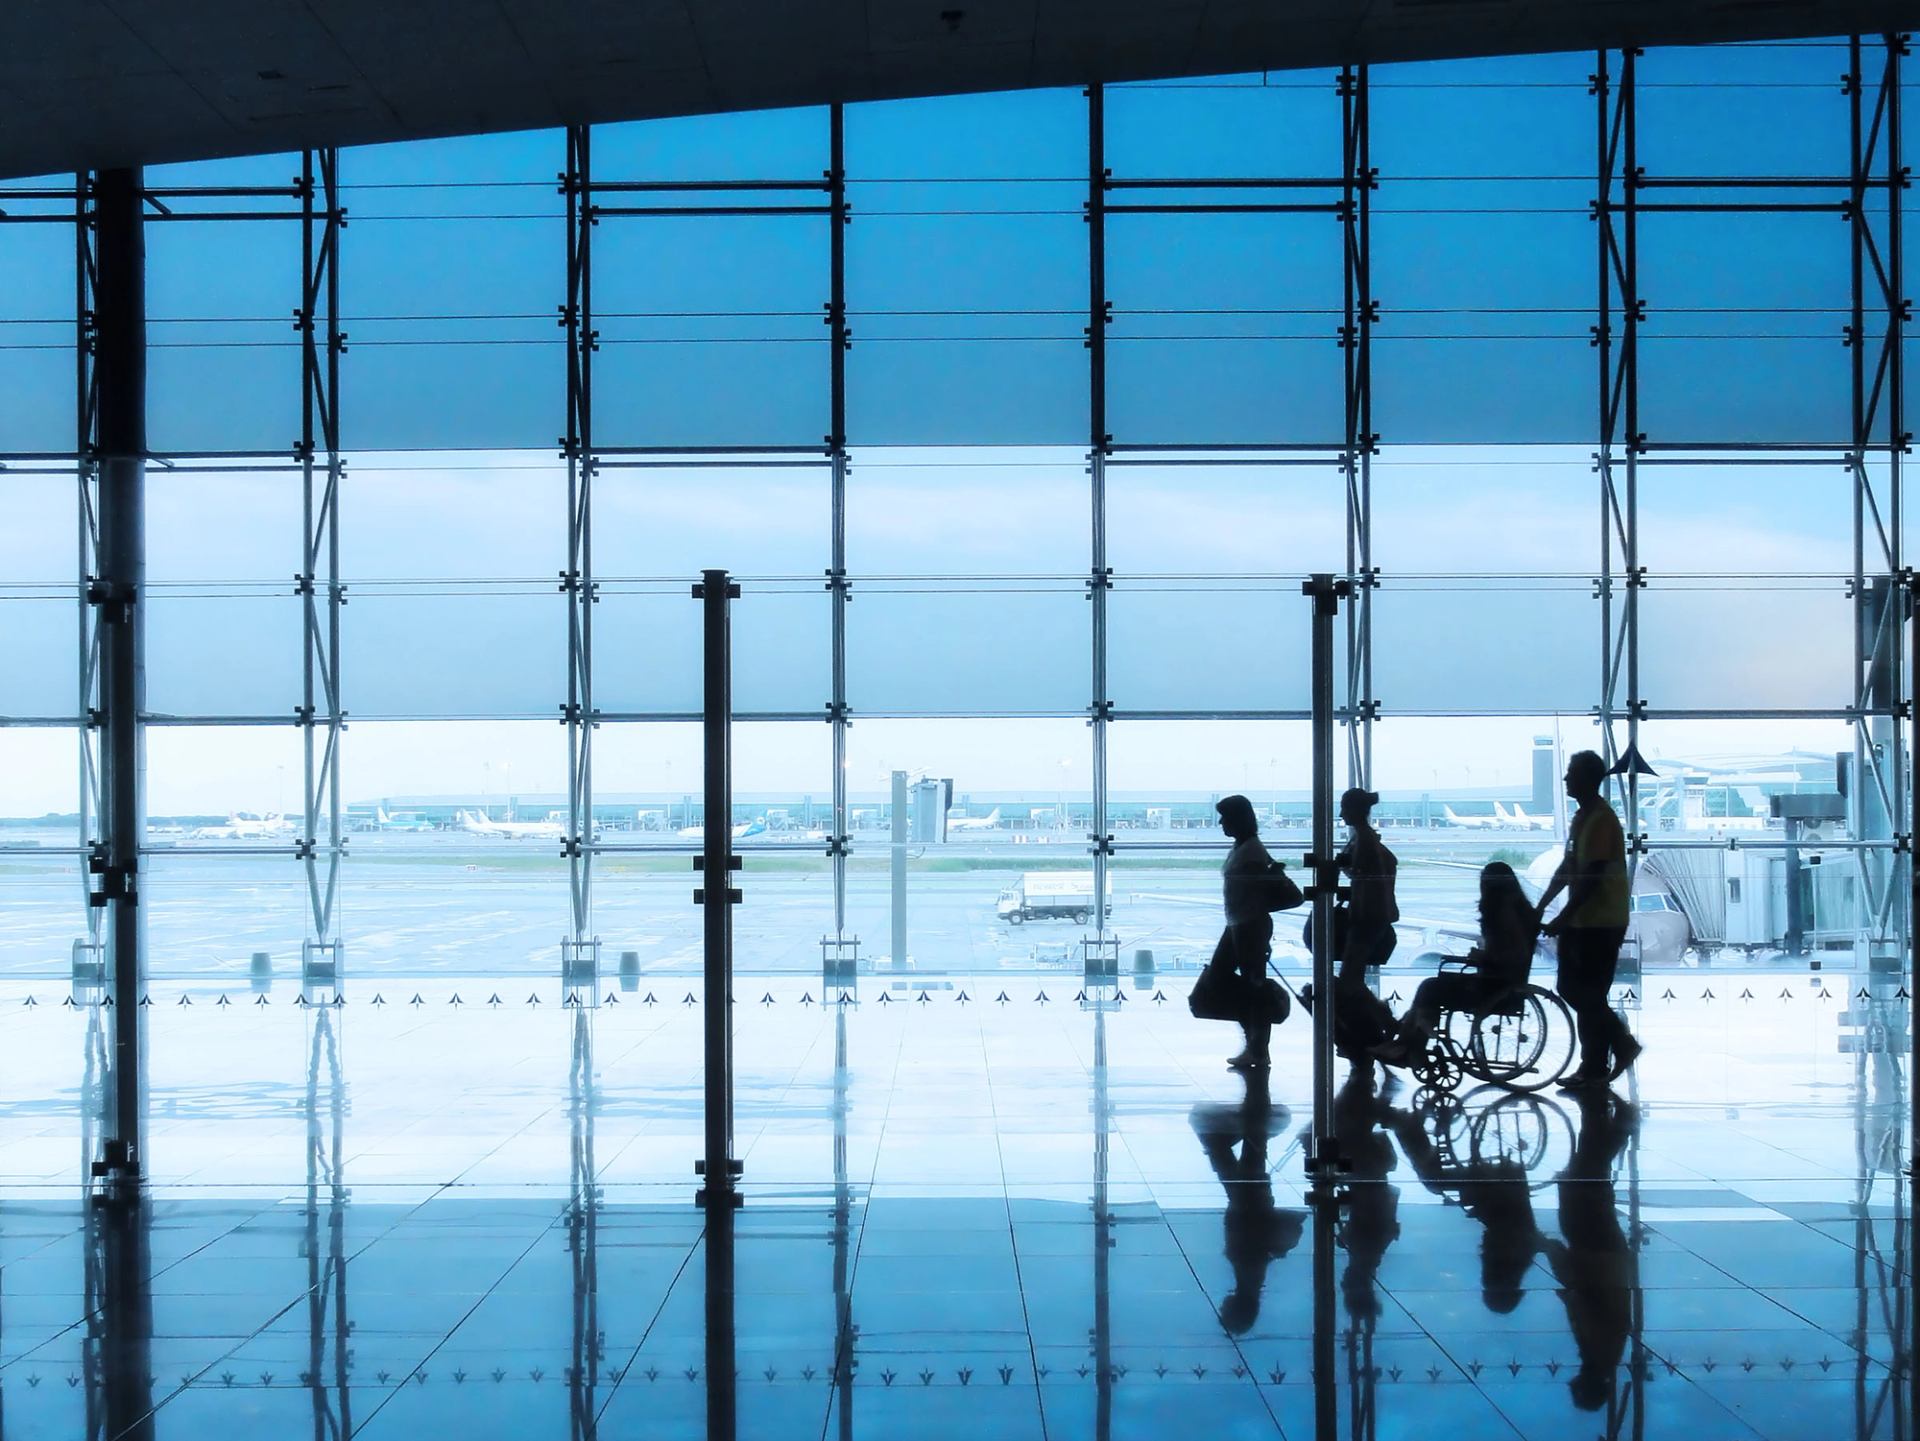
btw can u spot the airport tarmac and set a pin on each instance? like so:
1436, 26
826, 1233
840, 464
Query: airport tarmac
452, 904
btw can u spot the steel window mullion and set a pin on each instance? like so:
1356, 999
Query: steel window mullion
321, 468
1099, 447
1632, 439
1356, 341
1892, 400
87, 510
578, 583
839, 341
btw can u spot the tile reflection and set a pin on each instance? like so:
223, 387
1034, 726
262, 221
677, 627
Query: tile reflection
582, 1223
1258, 1232
1149, 1261
329, 1353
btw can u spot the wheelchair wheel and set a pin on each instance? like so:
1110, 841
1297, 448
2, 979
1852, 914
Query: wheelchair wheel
1525, 1049
1439, 1069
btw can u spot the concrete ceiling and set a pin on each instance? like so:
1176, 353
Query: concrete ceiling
115, 82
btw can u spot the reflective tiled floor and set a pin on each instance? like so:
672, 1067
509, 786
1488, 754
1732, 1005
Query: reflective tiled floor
964, 1216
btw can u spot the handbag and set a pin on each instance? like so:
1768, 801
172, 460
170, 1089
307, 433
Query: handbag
1278, 892
1221, 994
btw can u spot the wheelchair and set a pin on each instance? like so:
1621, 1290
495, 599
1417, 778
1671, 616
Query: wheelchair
1522, 1041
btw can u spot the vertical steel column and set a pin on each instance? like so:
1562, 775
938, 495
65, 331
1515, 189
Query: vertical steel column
716, 864
1634, 311
1323, 1157
577, 580
839, 341
1621, 443
322, 719
1099, 444
1895, 403
118, 590
87, 477
1358, 180
1874, 338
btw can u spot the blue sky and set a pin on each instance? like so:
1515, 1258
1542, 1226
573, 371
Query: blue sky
969, 423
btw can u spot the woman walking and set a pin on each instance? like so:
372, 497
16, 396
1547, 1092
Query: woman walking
1254, 884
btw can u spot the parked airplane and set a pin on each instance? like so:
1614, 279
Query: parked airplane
405, 822
1656, 924
246, 826
988, 822
1518, 817
510, 830
755, 827
1477, 823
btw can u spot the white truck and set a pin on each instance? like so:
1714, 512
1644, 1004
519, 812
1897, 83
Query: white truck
1044, 895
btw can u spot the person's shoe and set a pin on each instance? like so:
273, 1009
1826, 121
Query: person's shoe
1242, 1062
1583, 1081
1623, 1060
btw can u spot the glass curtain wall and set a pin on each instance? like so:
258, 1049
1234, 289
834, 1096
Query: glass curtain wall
1021, 419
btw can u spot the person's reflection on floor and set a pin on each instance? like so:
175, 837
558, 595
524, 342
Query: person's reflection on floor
1258, 1233
1493, 1190
1594, 1265
1371, 1221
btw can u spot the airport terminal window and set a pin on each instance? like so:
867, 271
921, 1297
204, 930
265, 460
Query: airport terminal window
452, 265
710, 328
967, 270
973, 514
36, 330
223, 363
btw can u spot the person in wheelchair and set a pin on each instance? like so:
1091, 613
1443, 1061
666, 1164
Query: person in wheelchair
1496, 968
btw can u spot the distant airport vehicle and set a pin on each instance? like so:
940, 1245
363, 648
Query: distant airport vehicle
988, 822
1518, 817
479, 825
246, 826
1048, 895
404, 822
1477, 823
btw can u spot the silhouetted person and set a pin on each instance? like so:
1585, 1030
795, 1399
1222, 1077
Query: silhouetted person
1363, 932
1593, 924
1258, 1233
1493, 1190
1499, 965
1254, 884
1594, 1265
1371, 907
